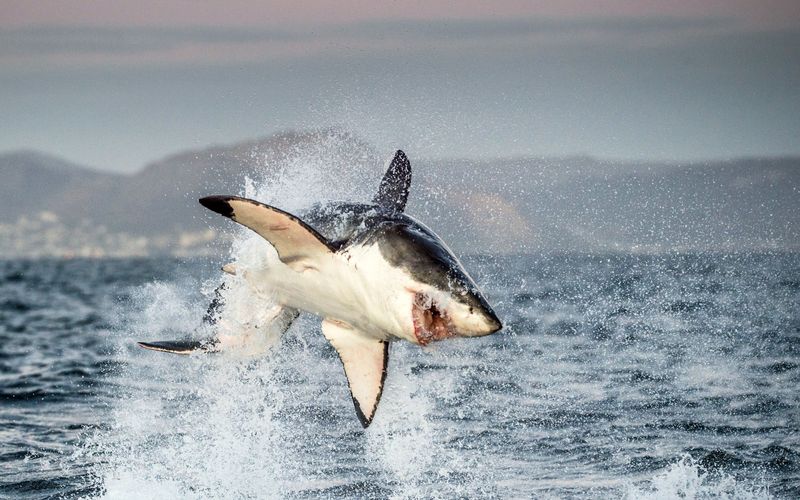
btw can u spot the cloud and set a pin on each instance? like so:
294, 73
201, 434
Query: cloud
71, 45
487, 29
54, 40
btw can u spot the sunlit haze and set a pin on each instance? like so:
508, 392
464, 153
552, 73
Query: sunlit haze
119, 84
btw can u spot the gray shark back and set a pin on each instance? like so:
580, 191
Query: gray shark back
403, 241
342, 222
345, 224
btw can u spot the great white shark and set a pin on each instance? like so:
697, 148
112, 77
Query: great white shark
373, 273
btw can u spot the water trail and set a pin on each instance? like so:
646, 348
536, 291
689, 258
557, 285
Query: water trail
402, 440
190, 427
230, 424
411, 443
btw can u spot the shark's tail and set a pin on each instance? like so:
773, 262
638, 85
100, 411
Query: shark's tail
189, 346
181, 346
256, 337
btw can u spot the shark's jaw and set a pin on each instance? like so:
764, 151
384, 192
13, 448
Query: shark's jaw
431, 321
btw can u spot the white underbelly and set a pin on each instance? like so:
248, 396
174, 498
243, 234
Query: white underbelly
357, 287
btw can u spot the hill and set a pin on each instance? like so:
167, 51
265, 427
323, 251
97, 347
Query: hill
51, 207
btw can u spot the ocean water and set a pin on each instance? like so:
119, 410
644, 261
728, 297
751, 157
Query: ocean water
617, 376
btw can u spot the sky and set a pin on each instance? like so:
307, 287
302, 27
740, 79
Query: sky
115, 85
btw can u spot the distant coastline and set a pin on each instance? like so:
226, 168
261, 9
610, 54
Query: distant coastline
53, 208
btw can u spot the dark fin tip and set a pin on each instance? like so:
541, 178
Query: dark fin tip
218, 204
361, 417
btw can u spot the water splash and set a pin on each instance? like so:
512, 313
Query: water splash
687, 480
328, 169
600, 363
215, 426
404, 444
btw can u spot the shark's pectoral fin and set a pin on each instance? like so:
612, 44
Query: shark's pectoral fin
297, 243
364, 361
180, 346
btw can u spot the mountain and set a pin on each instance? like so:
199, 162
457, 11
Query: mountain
586, 204
33, 182
52, 207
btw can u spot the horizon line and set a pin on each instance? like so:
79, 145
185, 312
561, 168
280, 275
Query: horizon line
437, 158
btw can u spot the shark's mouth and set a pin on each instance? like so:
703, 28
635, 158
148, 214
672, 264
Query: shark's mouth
430, 321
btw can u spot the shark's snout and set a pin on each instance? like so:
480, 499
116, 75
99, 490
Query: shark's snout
491, 323
476, 320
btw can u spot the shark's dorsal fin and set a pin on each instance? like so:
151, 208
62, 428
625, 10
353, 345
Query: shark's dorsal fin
364, 361
393, 191
296, 242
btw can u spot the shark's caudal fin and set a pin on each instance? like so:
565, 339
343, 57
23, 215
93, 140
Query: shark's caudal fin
189, 346
364, 361
180, 346
253, 341
256, 339
297, 243
393, 191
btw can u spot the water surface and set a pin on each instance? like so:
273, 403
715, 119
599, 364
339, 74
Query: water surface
616, 376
